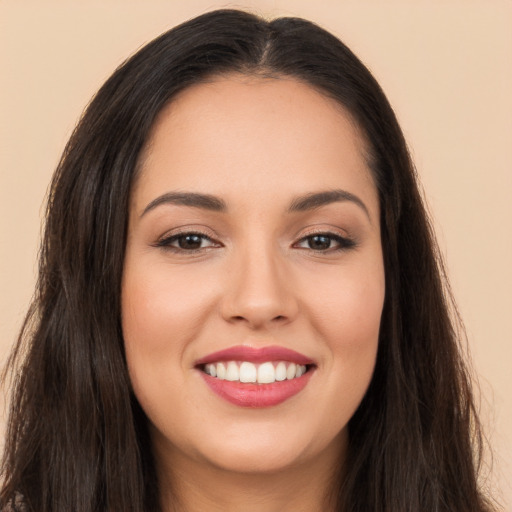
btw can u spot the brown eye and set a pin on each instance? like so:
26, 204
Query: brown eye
191, 241
319, 242
187, 242
325, 242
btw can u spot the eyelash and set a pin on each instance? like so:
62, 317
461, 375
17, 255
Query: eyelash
166, 243
344, 243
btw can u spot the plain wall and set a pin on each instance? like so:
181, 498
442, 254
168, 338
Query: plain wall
446, 67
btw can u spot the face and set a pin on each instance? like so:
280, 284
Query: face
253, 281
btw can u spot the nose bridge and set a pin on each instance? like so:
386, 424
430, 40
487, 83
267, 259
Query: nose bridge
258, 293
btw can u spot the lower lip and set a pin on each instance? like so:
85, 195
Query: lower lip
256, 395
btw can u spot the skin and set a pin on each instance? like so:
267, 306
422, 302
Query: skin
257, 144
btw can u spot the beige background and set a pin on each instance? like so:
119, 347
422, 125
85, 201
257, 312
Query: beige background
445, 65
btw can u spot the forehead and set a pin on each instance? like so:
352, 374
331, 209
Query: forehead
236, 134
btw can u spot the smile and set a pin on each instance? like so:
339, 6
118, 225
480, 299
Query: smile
256, 377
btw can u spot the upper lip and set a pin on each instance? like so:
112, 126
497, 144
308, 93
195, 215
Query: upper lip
255, 355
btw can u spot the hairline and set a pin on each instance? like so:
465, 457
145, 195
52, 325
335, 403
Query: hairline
258, 72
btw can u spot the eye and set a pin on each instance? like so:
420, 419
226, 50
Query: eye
187, 242
323, 242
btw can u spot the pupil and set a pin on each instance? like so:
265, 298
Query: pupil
190, 242
319, 242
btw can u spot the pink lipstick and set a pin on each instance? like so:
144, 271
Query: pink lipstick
255, 355
256, 377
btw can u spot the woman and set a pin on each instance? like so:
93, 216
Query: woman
241, 305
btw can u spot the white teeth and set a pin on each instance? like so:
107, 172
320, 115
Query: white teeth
248, 372
211, 369
280, 371
290, 372
232, 372
221, 371
266, 373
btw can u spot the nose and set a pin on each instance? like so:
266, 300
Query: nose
260, 292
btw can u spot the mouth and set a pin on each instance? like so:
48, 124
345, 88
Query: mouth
249, 377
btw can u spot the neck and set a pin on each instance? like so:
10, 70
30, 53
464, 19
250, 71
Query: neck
195, 486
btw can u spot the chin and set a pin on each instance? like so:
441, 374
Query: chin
255, 459
270, 452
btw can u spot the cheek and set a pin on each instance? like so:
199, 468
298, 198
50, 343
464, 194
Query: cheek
160, 312
160, 317
346, 318
347, 308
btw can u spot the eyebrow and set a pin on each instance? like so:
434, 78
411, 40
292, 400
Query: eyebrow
213, 203
318, 199
204, 201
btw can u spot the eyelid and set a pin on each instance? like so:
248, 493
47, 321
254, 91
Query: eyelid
345, 242
165, 241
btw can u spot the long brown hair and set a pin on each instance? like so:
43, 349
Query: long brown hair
77, 438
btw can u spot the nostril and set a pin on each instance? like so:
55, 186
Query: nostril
241, 317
